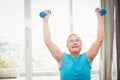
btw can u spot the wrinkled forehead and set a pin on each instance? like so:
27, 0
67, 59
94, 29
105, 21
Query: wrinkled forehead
72, 36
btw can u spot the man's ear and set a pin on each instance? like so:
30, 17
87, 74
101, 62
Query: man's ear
67, 45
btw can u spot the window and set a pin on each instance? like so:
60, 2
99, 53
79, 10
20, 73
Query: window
67, 16
59, 28
12, 36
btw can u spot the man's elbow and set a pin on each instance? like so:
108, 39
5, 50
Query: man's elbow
100, 40
47, 42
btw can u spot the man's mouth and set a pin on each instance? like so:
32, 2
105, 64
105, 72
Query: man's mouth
74, 46
75, 52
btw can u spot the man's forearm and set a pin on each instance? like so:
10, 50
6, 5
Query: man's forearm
100, 32
46, 31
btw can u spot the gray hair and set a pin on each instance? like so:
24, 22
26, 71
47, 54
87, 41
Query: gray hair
72, 35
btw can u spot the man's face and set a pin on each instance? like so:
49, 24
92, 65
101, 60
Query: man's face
74, 44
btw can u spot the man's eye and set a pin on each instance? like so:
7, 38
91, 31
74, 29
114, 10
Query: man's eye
77, 40
71, 40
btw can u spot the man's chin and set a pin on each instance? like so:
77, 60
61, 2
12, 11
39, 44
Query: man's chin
76, 52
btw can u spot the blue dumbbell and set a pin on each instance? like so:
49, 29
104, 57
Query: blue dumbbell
102, 11
43, 14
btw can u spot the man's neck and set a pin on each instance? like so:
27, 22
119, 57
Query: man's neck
74, 55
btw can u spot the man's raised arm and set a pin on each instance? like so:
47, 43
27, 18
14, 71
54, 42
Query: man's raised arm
92, 52
55, 51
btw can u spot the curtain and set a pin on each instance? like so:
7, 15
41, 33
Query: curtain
107, 47
117, 18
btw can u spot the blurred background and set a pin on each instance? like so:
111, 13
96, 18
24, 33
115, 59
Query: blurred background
23, 54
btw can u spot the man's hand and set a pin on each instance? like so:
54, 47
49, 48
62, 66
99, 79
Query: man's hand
47, 15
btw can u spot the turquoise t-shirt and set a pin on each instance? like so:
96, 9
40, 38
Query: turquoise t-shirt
75, 68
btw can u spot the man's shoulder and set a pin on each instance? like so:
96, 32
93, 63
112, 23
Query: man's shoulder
66, 54
83, 53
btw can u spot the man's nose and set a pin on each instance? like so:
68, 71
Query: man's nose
74, 42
